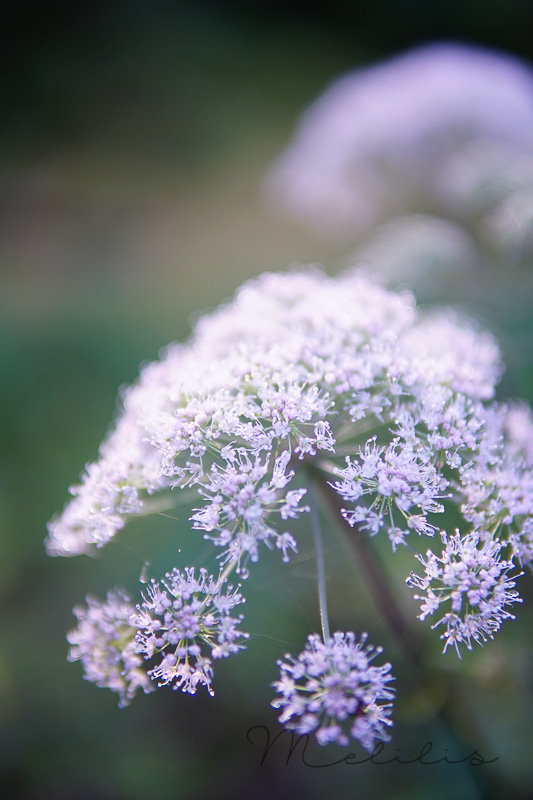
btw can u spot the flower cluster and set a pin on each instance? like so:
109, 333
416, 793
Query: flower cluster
104, 642
305, 380
180, 624
444, 126
298, 366
253, 392
471, 577
180, 615
403, 476
332, 690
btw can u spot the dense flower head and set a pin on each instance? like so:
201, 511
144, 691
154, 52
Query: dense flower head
104, 642
443, 126
184, 622
331, 689
298, 366
171, 637
471, 581
306, 384
305, 375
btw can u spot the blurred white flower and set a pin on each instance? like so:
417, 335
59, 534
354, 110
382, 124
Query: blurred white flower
378, 141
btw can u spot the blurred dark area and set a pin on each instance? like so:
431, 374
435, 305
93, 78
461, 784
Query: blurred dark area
134, 140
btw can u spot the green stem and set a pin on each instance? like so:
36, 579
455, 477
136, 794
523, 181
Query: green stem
228, 570
321, 572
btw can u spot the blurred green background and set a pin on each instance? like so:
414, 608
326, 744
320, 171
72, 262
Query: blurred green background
134, 139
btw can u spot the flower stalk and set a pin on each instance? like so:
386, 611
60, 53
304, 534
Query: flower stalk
321, 570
